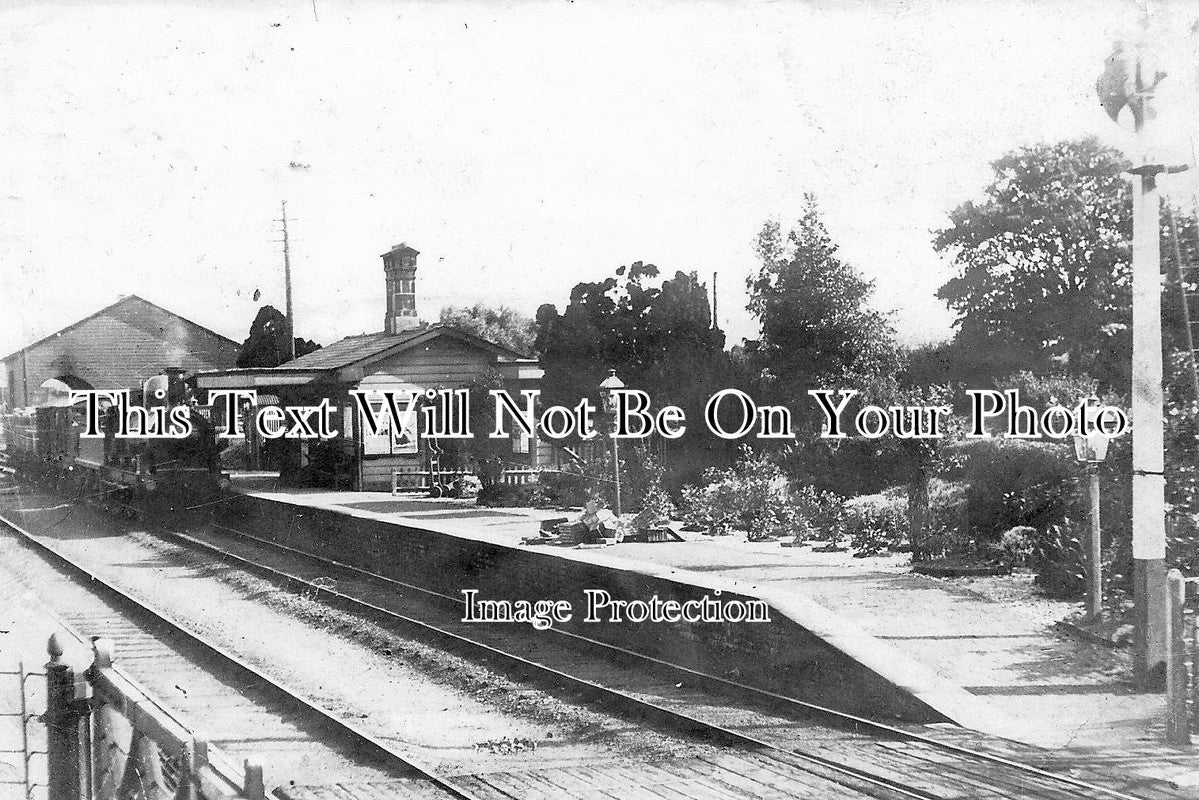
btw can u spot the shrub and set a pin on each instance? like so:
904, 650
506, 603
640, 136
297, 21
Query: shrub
565, 488
710, 508
1034, 487
1014, 483
947, 502
820, 514
503, 495
642, 477
753, 495
879, 523
1182, 542
876, 523
1059, 558
466, 486
656, 507
1017, 546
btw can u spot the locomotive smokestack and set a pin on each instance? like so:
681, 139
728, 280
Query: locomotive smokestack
399, 265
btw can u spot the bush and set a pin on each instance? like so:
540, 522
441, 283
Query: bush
947, 501
877, 523
656, 507
821, 514
565, 488
503, 495
710, 508
1182, 542
642, 477
1013, 484
753, 496
1025, 502
1059, 558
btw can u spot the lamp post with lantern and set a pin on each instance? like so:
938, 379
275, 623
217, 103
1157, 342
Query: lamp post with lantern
1091, 450
609, 388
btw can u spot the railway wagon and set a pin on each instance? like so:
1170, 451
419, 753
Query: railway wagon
132, 475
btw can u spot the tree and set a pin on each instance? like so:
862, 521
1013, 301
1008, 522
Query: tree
1042, 262
919, 459
817, 327
266, 346
500, 325
658, 336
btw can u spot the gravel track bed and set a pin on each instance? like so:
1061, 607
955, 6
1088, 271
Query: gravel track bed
442, 708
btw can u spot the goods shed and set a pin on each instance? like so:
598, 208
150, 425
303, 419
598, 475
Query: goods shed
118, 347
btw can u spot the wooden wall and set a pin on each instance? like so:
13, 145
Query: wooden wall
118, 349
443, 363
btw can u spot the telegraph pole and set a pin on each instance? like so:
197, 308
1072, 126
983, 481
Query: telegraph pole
1148, 442
291, 325
1129, 80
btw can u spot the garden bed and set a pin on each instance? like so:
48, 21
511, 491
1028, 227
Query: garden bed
946, 568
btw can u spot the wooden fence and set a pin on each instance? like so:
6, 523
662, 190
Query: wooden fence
423, 480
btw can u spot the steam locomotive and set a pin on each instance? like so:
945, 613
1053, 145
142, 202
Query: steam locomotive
130, 475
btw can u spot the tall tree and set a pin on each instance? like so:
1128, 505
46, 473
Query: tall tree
658, 336
266, 346
817, 326
498, 324
1042, 261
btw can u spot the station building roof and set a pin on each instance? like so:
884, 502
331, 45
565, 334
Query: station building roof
116, 347
349, 359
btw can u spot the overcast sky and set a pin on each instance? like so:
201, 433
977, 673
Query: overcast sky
521, 147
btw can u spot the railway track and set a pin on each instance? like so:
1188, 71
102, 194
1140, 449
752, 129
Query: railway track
250, 714
779, 736
872, 756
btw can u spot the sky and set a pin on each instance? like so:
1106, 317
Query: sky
145, 148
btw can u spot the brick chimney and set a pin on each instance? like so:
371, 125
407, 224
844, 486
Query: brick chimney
399, 265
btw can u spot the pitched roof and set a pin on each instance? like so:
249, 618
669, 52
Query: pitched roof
355, 349
350, 350
127, 300
402, 247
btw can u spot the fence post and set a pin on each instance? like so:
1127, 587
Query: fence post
255, 786
68, 707
1193, 635
25, 717
1178, 728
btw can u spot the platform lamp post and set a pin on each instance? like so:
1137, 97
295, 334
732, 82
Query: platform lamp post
1129, 80
1091, 450
609, 388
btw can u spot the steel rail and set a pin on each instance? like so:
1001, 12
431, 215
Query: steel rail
624, 698
350, 730
737, 686
741, 688
675, 717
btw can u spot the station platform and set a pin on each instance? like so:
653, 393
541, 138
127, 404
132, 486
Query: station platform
991, 665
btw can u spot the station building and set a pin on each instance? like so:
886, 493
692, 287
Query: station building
118, 347
406, 358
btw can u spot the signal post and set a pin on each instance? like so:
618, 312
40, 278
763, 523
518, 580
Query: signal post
1128, 81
